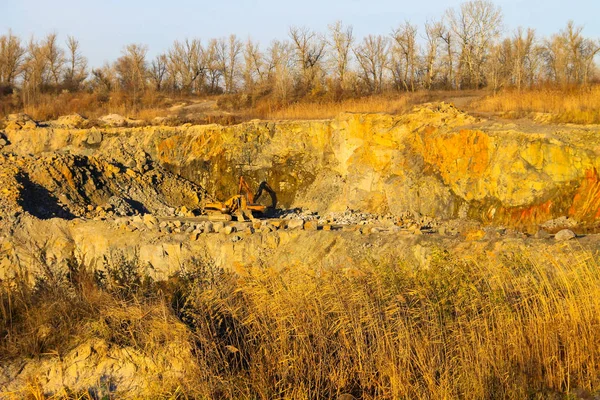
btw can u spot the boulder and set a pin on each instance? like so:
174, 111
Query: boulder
71, 121
312, 225
150, 221
295, 224
563, 235
94, 137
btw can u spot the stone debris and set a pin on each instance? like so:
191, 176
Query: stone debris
542, 234
95, 137
116, 120
3, 141
72, 121
20, 121
311, 225
73, 186
295, 224
559, 223
564, 235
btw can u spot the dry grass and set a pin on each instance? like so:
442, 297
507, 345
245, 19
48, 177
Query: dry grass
522, 326
325, 109
578, 106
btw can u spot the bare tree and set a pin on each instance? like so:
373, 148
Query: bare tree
158, 71
11, 59
404, 56
523, 48
372, 56
279, 67
433, 33
76, 70
309, 47
569, 56
34, 69
477, 25
132, 70
341, 40
227, 55
55, 57
254, 72
590, 49
186, 68
447, 37
498, 67
213, 59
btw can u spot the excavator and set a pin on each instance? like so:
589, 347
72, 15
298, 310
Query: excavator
244, 204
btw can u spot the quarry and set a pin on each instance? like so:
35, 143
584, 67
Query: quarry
357, 188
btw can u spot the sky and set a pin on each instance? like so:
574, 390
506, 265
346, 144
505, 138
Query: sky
104, 27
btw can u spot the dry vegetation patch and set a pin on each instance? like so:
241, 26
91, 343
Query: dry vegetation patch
325, 109
578, 106
522, 326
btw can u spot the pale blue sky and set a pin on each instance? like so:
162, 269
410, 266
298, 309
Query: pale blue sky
105, 26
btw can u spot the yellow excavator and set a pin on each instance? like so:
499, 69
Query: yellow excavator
244, 204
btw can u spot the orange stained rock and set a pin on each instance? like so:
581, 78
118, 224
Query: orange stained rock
531, 215
586, 202
464, 154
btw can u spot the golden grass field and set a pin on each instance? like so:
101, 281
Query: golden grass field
523, 326
578, 106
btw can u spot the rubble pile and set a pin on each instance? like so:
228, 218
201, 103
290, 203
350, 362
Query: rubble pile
73, 186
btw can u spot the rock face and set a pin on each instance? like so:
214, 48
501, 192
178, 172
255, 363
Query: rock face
68, 186
434, 161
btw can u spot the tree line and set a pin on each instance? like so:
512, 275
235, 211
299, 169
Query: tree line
466, 48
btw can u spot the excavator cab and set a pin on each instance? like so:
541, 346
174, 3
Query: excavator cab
244, 204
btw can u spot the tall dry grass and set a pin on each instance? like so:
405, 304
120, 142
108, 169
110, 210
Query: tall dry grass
325, 109
578, 106
522, 325
517, 328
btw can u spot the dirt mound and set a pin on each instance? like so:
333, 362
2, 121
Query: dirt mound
20, 121
72, 121
117, 120
69, 186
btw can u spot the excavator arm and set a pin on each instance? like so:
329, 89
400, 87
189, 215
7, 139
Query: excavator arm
245, 191
265, 186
